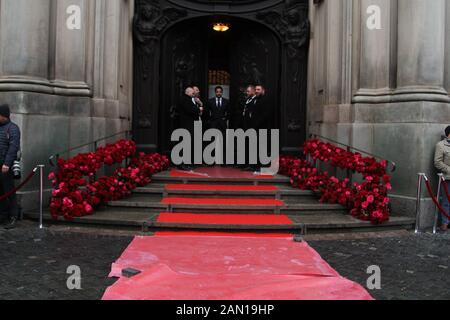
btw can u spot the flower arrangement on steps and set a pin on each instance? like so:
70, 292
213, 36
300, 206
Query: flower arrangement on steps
367, 201
77, 194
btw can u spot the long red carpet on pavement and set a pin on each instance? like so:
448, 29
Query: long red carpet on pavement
195, 265
227, 268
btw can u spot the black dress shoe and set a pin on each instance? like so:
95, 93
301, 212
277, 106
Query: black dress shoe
11, 224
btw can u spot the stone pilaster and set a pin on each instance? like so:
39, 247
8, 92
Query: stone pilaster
65, 70
376, 58
24, 41
421, 46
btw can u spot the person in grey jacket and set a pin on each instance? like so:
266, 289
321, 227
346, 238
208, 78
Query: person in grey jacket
442, 164
9, 148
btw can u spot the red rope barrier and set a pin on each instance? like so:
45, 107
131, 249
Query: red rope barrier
435, 200
447, 193
9, 194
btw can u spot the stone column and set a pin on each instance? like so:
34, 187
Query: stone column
447, 47
24, 40
377, 48
73, 48
421, 45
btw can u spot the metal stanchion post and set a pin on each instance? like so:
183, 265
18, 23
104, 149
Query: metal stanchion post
436, 213
41, 196
419, 201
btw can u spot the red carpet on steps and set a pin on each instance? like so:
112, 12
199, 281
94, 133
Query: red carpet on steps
209, 187
217, 173
229, 219
227, 268
223, 201
222, 234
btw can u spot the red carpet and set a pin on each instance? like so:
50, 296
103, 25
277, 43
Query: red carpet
227, 268
217, 172
185, 174
223, 201
230, 219
211, 187
222, 234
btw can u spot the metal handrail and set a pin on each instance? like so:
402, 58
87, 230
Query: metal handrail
95, 143
350, 148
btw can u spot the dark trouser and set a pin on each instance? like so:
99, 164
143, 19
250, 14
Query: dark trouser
446, 204
8, 208
220, 125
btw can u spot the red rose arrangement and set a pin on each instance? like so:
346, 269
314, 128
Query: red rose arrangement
76, 196
367, 201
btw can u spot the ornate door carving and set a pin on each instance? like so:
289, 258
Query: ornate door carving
255, 57
184, 63
291, 23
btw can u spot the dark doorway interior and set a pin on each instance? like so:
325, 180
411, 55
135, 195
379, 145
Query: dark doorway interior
219, 53
194, 54
174, 46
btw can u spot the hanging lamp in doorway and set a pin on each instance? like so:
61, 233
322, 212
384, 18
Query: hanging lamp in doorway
221, 26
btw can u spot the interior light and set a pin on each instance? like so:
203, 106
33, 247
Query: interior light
221, 27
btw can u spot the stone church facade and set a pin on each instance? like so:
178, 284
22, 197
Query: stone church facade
373, 74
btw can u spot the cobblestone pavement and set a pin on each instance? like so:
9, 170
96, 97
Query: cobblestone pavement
34, 264
412, 267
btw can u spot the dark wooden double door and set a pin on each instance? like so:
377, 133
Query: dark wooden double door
250, 53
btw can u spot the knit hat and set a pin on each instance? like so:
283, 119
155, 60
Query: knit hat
447, 131
5, 111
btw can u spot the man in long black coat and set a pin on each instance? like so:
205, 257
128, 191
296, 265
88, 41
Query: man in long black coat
260, 116
260, 112
189, 112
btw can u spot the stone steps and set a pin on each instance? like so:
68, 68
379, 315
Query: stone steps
236, 197
155, 202
319, 223
282, 192
166, 178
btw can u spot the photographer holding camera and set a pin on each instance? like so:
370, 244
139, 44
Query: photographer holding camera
9, 149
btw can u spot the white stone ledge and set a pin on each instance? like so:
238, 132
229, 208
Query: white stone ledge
408, 94
57, 87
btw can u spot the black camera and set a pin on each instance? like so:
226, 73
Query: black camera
17, 168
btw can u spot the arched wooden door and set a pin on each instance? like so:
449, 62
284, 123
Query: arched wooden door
184, 63
255, 59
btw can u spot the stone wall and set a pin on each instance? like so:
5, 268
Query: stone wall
66, 71
384, 90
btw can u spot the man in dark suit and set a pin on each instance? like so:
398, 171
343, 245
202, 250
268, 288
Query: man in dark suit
240, 113
189, 112
218, 112
260, 115
260, 111
245, 120
248, 107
